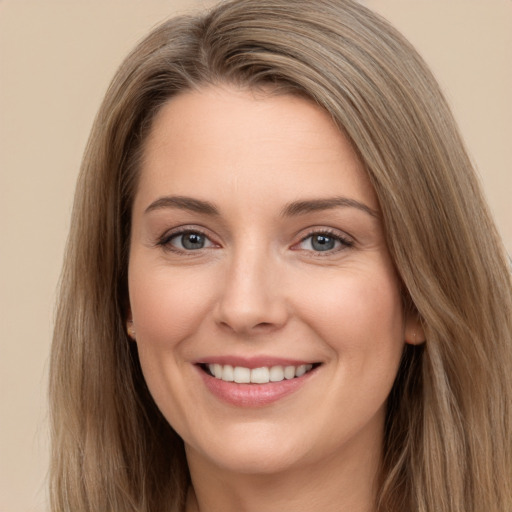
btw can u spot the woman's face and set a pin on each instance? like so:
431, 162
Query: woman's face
258, 254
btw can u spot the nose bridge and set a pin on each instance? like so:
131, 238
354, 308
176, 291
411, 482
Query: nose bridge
251, 299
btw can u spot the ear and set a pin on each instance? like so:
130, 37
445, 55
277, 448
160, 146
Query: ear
130, 328
413, 332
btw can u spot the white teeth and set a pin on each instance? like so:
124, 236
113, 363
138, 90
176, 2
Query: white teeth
289, 372
242, 375
276, 374
217, 371
262, 375
227, 373
300, 371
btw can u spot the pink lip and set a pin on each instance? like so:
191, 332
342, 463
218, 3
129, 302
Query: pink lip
252, 362
252, 395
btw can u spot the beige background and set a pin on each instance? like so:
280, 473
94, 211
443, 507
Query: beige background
56, 59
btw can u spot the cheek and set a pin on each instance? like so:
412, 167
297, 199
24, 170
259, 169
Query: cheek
167, 306
358, 303
359, 316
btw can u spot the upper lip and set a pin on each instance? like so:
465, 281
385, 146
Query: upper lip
253, 362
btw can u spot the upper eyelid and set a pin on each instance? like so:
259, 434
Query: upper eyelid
346, 241
164, 242
181, 230
337, 233
303, 235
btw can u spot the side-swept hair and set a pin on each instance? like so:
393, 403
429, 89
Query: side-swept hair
448, 432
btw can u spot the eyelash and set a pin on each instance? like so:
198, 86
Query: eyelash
165, 240
345, 242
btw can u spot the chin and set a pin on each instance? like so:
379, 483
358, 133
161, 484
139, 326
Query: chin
264, 453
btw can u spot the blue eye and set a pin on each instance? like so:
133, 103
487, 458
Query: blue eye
324, 242
188, 241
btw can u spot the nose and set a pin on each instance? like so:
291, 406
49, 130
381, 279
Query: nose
252, 299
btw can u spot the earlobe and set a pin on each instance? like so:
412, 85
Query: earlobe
414, 333
130, 328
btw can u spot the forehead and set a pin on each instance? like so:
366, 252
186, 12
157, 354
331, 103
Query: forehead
219, 139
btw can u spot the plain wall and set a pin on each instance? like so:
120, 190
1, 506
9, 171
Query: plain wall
56, 59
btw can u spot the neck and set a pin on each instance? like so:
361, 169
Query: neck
343, 482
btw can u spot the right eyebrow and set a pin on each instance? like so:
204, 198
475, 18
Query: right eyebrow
183, 203
314, 205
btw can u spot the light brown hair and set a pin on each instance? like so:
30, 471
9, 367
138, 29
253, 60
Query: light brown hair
448, 432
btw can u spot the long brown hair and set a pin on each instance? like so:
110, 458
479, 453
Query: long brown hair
448, 432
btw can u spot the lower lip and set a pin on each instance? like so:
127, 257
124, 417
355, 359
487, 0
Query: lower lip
252, 395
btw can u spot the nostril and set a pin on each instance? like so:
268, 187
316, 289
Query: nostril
264, 325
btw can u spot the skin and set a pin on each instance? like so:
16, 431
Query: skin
259, 286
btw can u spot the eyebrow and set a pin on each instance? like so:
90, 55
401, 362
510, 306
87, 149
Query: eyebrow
303, 207
183, 203
293, 209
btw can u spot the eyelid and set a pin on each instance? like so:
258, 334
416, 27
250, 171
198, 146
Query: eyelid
345, 240
164, 240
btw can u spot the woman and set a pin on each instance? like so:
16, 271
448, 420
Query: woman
283, 289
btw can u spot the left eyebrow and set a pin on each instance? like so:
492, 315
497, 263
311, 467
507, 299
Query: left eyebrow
314, 205
183, 203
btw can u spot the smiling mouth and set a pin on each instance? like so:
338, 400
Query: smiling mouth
262, 375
